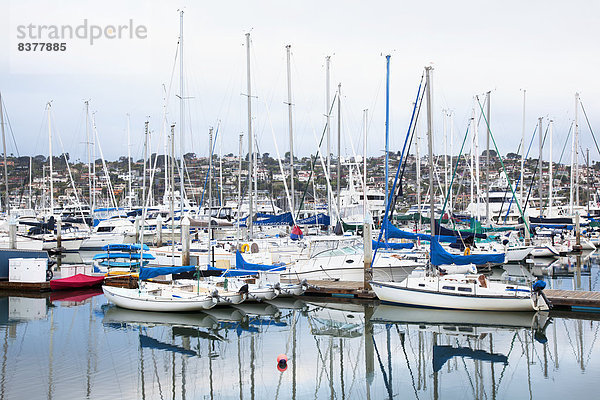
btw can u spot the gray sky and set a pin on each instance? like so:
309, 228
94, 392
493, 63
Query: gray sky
549, 48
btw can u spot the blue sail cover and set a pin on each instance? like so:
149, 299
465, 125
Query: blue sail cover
440, 230
132, 256
319, 219
151, 343
240, 263
439, 256
152, 272
124, 247
242, 272
392, 232
392, 246
441, 354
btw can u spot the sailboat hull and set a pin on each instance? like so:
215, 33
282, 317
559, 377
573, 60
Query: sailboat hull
156, 300
392, 292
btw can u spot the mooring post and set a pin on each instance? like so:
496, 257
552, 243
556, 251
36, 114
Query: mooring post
159, 231
185, 241
59, 232
12, 234
368, 257
136, 225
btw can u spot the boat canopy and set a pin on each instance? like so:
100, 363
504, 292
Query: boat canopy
439, 256
319, 219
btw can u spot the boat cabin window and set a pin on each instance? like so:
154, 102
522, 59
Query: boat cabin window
448, 287
105, 228
465, 289
421, 285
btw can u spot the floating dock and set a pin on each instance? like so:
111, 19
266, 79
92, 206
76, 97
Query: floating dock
574, 300
347, 289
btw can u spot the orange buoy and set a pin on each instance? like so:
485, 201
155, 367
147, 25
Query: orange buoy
282, 362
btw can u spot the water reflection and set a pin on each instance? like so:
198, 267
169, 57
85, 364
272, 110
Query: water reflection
86, 348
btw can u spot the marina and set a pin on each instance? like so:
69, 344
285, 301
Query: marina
299, 201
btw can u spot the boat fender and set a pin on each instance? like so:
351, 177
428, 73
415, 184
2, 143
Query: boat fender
254, 248
225, 284
482, 281
282, 362
243, 289
245, 248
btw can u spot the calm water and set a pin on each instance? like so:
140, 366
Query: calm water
76, 345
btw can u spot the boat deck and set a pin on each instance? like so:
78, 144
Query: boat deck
574, 299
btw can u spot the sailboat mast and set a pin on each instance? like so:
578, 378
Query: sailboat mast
576, 154
487, 162
89, 154
540, 164
181, 116
327, 127
289, 103
129, 163
50, 159
6, 199
387, 129
250, 145
210, 202
365, 200
144, 172
30, 181
445, 131
430, 145
418, 166
339, 150
550, 174
521, 183
239, 196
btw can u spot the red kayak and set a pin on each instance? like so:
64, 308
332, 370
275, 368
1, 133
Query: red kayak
76, 282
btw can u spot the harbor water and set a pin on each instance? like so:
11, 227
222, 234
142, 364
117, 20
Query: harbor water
77, 345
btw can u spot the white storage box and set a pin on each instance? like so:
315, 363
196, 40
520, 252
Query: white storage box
31, 270
67, 271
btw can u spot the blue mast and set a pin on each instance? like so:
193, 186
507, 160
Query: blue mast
387, 129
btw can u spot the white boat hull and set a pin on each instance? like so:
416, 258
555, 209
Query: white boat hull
518, 254
97, 241
156, 300
393, 292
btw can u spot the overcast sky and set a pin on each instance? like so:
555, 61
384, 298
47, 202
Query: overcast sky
549, 48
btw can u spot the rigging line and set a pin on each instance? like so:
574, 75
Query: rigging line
519, 179
489, 129
385, 379
412, 376
534, 175
565, 146
312, 165
12, 134
589, 126
212, 151
414, 129
387, 206
412, 124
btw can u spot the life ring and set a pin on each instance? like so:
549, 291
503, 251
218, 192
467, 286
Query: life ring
467, 251
245, 248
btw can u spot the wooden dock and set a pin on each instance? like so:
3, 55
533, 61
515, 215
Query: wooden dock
574, 299
16, 287
339, 289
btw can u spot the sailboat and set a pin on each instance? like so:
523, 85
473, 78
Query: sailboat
428, 288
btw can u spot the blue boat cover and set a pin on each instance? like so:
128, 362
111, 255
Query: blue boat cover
243, 272
441, 354
439, 256
124, 247
270, 220
392, 232
440, 230
240, 263
152, 272
132, 256
392, 246
319, 219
